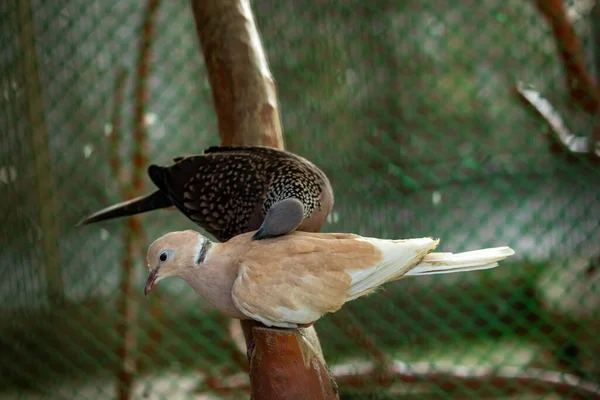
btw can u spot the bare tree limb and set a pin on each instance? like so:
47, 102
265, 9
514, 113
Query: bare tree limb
135, 234
580, 83
243, 89
246, 105
584, 90
124, 326
567, 139
502, 381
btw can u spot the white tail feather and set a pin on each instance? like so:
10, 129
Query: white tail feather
444, 263
413, 257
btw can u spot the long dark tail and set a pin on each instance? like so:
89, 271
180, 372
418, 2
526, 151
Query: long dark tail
138, 205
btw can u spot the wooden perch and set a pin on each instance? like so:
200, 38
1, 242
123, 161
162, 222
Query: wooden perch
246, 105
289, 362
580, 83
243, 89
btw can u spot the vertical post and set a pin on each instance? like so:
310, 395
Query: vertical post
285, 367
245, 101
243, 89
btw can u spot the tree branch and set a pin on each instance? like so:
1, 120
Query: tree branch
505, 380
580, 83
243, 89
285, 366
566, 138
134, 235
126, 308
246, 105
502, 381
348, 323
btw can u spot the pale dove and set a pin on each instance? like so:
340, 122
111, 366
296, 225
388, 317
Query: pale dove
233, 190
293, 280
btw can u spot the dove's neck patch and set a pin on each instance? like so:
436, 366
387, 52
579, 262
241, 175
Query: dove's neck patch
202, 249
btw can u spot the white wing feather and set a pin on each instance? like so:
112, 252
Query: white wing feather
399, 256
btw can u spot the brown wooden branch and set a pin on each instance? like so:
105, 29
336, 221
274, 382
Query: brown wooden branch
128, 312
284, 366
125, 324
39, 143
243, 89
245, 101
141, 96
505, 380
139, 158
134, 236
581, 85
502, 381
567, 139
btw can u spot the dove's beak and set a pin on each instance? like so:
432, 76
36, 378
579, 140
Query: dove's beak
151, 280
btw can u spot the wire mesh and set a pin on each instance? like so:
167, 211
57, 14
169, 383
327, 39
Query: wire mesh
409, 107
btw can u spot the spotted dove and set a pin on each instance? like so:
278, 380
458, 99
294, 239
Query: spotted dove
231, 190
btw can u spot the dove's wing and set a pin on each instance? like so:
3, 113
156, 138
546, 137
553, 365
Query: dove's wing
297, 278
219, 192
286, 299
229, 190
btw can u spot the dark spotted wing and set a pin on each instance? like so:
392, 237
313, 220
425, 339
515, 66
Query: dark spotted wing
218, 192
289, 175
226, 189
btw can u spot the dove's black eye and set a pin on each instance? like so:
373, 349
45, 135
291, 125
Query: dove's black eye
163, 256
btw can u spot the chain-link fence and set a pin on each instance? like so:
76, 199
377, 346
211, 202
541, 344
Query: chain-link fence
410, 108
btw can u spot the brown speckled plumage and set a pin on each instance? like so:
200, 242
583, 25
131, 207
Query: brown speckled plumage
229, 190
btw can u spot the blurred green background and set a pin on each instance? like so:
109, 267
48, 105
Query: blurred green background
408, 106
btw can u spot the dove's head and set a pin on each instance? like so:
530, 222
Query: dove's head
173, 253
